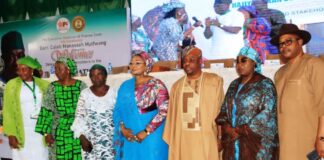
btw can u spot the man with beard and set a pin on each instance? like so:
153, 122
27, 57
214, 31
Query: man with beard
195, 101
300, 87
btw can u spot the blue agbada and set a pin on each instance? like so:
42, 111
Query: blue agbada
126, 111
255, 119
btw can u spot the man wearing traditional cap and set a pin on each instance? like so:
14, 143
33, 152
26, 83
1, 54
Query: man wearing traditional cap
190, 130
22, 104
300, 87
225, 30
12, 48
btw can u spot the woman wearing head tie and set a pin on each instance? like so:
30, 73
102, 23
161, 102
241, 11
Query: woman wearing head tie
139, 114
174, 28
248, 117
58, 112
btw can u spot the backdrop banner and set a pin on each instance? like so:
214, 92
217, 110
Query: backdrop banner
99, 37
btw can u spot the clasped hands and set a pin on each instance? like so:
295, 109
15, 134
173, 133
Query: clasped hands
209, 22
234, 133
128, 134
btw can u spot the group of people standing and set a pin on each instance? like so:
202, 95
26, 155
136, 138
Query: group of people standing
55, 120
256, 119
169, 30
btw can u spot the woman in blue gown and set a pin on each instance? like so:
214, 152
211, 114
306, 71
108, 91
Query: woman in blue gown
139, 114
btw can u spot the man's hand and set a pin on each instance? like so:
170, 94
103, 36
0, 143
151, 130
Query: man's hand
13, 142
85, 143
215, 22
208, 22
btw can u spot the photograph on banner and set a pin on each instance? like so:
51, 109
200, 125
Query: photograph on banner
88, 38
219, 27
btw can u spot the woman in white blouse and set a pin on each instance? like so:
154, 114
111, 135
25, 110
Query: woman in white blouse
93, 119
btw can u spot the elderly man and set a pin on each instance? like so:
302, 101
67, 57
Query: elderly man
300, 87
225, 31
190, 130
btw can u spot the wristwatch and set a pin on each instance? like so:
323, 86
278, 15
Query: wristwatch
221, 25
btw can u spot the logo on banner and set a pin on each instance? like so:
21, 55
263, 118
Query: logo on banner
78, 23
63, 25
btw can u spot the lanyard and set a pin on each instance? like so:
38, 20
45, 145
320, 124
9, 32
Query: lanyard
33, 91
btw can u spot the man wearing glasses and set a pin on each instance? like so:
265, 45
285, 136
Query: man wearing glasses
300, 87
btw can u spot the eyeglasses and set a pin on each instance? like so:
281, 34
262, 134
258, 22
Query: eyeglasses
287, 42
135, 63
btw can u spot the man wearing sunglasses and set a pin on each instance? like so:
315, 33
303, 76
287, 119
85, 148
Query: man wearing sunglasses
300, 87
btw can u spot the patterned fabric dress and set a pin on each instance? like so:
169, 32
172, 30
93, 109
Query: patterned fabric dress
166, 43
147, 108
258, 36
93, 119
256, 117
56, 117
